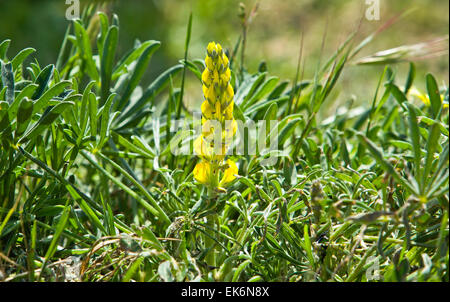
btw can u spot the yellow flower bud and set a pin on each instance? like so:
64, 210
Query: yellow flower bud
206, 77
209, 63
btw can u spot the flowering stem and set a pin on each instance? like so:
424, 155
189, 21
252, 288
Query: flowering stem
210, 230
209, 241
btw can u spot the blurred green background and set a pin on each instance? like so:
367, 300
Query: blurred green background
273, 35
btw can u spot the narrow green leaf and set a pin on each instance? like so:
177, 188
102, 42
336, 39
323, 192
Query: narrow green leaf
132, 147
26, 92
433, 141
137, 73
240, 269
42, 81
64, 51
415, 139
24, 114
84, 45
399, 96
378, 155
433, 93
105, 120
186, 48
4, 48
410, 78
135, 53
52, 92
287, 131
21, 56
107, 60
93, 105
132, 269
46, 119
153, 89
263, 90
58, 230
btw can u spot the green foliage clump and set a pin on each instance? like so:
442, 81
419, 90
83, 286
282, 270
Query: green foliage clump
90, 190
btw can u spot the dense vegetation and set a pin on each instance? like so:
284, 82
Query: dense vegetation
90, 190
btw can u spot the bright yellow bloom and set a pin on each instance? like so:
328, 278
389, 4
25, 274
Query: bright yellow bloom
424, 97
218, 124
203, 173
228, 175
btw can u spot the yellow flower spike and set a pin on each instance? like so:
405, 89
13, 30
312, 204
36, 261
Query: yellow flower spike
217, 108
228, 175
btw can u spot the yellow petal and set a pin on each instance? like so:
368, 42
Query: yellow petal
218, 111
225, 60
226, 76
215, 77
219, 48
207, 110
201, 147
208, 129
230, 130
211, 47
210, 95
202, 172
228, 175
209, 63
424, 98
228, 112
206, 77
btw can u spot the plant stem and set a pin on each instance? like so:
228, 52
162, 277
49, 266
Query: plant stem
209, 241
210, 230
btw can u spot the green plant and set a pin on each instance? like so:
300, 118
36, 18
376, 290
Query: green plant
87, 174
